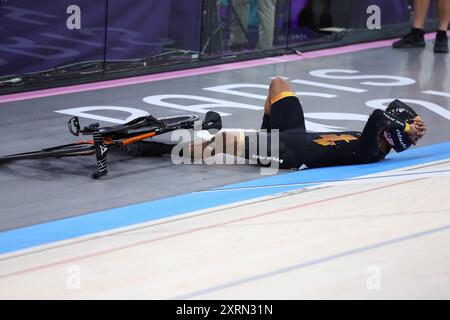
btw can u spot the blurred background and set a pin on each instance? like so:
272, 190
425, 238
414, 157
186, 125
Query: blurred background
46, 43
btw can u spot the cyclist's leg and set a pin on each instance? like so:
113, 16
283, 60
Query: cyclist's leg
149, 148
282, 109
231, 143
266, 117
276, 85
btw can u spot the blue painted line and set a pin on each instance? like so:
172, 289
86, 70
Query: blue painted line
310, 263
363, 178
394, 161
101, 221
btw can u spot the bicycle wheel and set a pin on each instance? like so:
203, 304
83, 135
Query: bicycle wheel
69, 150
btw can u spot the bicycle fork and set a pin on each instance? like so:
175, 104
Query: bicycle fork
101, 150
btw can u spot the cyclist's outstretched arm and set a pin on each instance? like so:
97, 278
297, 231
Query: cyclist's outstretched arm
231, 143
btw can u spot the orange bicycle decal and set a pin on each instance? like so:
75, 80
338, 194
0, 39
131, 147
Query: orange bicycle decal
138, 138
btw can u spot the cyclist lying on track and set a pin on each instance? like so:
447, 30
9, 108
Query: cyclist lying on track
397, 128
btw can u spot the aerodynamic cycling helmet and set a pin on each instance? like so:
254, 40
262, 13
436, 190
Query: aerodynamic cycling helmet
406, 113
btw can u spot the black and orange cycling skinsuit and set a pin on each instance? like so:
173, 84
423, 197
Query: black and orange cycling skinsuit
299, 148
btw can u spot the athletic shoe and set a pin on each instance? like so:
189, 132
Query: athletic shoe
414, 39
441, 42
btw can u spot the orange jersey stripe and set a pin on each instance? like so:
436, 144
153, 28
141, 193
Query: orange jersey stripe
282, 95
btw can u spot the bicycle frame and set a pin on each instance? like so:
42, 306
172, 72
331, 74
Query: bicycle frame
105, 139
104, 144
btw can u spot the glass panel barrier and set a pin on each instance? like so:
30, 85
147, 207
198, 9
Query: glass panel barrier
152, 33
87, 40
47, 39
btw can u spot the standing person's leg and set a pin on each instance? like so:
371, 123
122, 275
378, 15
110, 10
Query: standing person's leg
266, 12
444, 14
420, 13
237, 35
416, 37
441, 43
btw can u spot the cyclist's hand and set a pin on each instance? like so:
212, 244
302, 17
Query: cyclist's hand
420, 126
418, 130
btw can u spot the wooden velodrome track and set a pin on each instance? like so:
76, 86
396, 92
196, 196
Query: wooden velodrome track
383, 237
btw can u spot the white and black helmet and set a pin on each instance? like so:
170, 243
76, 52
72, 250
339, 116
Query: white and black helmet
404, 112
